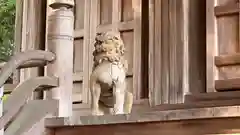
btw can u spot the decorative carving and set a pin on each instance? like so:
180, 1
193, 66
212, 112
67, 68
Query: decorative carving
107, 81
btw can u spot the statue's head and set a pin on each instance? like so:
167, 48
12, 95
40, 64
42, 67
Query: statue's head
109, 42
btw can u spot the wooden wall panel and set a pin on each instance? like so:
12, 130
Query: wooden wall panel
77, 93
127, 11
223, 45
176, 50
105, 11
78, 55
128, 41
79, 14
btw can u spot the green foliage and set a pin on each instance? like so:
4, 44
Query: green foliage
5, 96
7, 26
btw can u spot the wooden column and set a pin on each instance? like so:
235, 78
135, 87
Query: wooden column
60, 41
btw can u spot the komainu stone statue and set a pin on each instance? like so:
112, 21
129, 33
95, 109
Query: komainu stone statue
107, 81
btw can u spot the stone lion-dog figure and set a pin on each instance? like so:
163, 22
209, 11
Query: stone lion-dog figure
108, 79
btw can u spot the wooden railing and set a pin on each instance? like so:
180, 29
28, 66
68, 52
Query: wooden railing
21, 115
16, 109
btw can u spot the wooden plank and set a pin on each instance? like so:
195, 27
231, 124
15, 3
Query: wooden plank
226, 10
165, 53
149, 116
86, 43
77, 77
210, 96
227, 60
90, 31
155, 41
173, 65
78, 33
217, 126
121, 26
137, 48
227, 84
211, 50
116, 13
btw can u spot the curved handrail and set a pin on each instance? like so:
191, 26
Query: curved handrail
20, 95
21, 58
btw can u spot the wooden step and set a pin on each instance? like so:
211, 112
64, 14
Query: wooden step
213, 120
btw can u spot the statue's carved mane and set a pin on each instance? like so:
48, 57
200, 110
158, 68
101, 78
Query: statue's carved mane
108, 47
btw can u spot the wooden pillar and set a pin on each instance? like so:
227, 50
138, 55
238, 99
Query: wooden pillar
60, 41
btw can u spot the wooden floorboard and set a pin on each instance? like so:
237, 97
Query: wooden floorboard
187, 127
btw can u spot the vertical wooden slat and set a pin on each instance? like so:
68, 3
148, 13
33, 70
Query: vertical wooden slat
155, 38
165, 52
212, 74
197, 46
18, 35
173, 67
86, 44
185, 26
137, 79
116, 13
92, 33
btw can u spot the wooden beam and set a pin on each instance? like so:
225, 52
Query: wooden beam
210, 96
229, 9
227, 84
227, 60
121, 26
149, 116
216, 126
